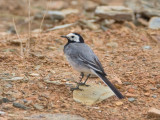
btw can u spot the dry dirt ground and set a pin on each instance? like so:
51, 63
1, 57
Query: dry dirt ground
137, 69
133, 69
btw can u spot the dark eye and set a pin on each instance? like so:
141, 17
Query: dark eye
72, 36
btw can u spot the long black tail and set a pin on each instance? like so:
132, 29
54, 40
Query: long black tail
118, 94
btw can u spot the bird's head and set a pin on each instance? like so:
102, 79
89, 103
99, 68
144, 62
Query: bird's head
74, 38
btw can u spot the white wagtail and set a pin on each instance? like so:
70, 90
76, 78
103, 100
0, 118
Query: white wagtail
82, 58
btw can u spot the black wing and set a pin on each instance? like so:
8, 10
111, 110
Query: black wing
93, 63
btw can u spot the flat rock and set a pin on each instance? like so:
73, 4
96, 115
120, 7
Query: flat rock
70, 11
93, 94
153, 112
57, 116
2, 113
55, 15
51, 14
154, 23
146, 7
18, 41
15, 79
118, 13
19, 105
38, 107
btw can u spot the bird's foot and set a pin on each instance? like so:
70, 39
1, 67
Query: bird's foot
83, 84
76, 88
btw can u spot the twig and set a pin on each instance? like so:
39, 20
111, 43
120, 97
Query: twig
29, 28
43, 18
21, 45
61, 26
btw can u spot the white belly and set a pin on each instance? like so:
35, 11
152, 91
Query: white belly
79, 67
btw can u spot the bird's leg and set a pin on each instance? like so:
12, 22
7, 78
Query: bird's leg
82, 75
84, 83
78, 84
76, 88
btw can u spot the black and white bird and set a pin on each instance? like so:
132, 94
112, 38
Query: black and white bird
81, 57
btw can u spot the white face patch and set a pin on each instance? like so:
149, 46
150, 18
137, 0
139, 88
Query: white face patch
73, 37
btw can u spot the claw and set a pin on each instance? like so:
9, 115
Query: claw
83, 84
76, 88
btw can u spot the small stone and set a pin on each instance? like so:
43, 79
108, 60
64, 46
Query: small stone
15, 79
158, 85
53, 82
38, 107
154, 23
118, 13
38, 54
34, 74
153, 88
5, 100
70, 11
131, 99
127, 83
37, 30
143, 21
154, 113
130, 95
146, 47
56, 5
18, 41
90, 5
24, 100
112, 44
146, 94
52, 15
55, 15
62, 26
18, 105
92, 94
154, 96
2, 113
119, 103
56, 116
89, 24
108, 22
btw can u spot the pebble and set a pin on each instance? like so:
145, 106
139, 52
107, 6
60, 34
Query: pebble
55, 15
119, 103
154, 113
90, 5
131, 99
154, 23
2, 113
34, 74
118, 13
62, 26
127, 83
18, 105
15, 79
18, 41
146, 47
158, 85
112, 44
38, 107
56, 116
70, 11
153, 88
56, 5
131, 95
4, 100
154, 96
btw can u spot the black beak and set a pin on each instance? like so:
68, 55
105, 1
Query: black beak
64, 36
